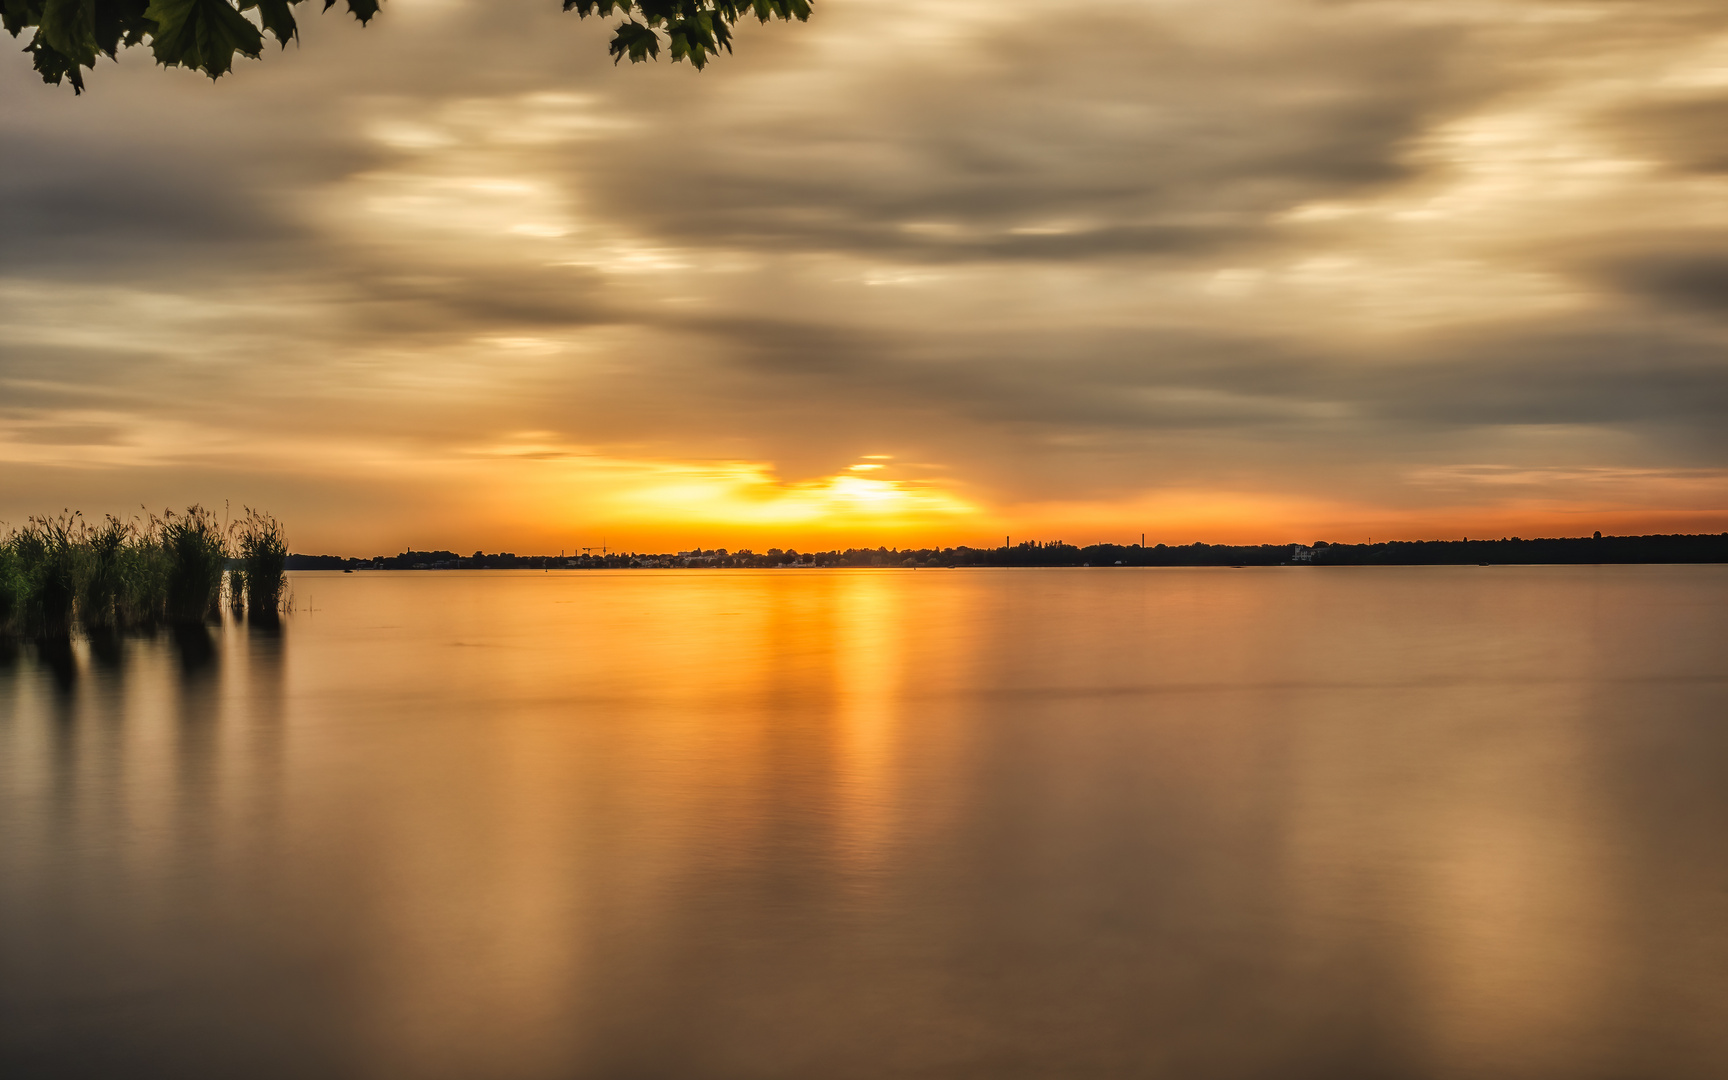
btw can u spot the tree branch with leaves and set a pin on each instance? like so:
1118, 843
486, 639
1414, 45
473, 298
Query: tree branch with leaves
205, 35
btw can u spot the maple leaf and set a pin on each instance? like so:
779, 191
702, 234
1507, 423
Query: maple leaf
277, 17
205, 35
201, 34
361, 9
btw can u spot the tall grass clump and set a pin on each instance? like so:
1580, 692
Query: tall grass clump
14, 588
123, 575
100, 583
57, 572
47, 555
197, 551
263, 550
142, 598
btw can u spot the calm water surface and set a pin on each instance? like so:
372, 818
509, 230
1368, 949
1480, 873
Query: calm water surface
1328, 823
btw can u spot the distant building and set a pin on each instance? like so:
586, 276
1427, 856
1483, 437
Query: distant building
1298, 553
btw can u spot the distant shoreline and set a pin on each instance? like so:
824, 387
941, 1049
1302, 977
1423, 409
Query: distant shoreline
1703, 548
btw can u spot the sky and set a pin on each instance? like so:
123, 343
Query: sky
909, 274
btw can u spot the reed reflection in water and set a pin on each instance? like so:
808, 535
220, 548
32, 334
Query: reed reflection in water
1423, 822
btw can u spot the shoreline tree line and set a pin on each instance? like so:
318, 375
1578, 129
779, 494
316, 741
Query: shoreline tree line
1667, 548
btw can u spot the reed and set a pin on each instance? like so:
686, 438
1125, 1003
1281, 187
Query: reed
100, 583
197, 548
142, 600
58, 572
14, 587
46, 553
263, 549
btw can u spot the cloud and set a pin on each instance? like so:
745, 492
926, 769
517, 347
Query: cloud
1180, 131
1695, 279
1297, 254
1684, 132
64, 208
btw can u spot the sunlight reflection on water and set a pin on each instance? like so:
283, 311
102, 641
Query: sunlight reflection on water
1423, 822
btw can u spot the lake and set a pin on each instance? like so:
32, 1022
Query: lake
1423, 822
